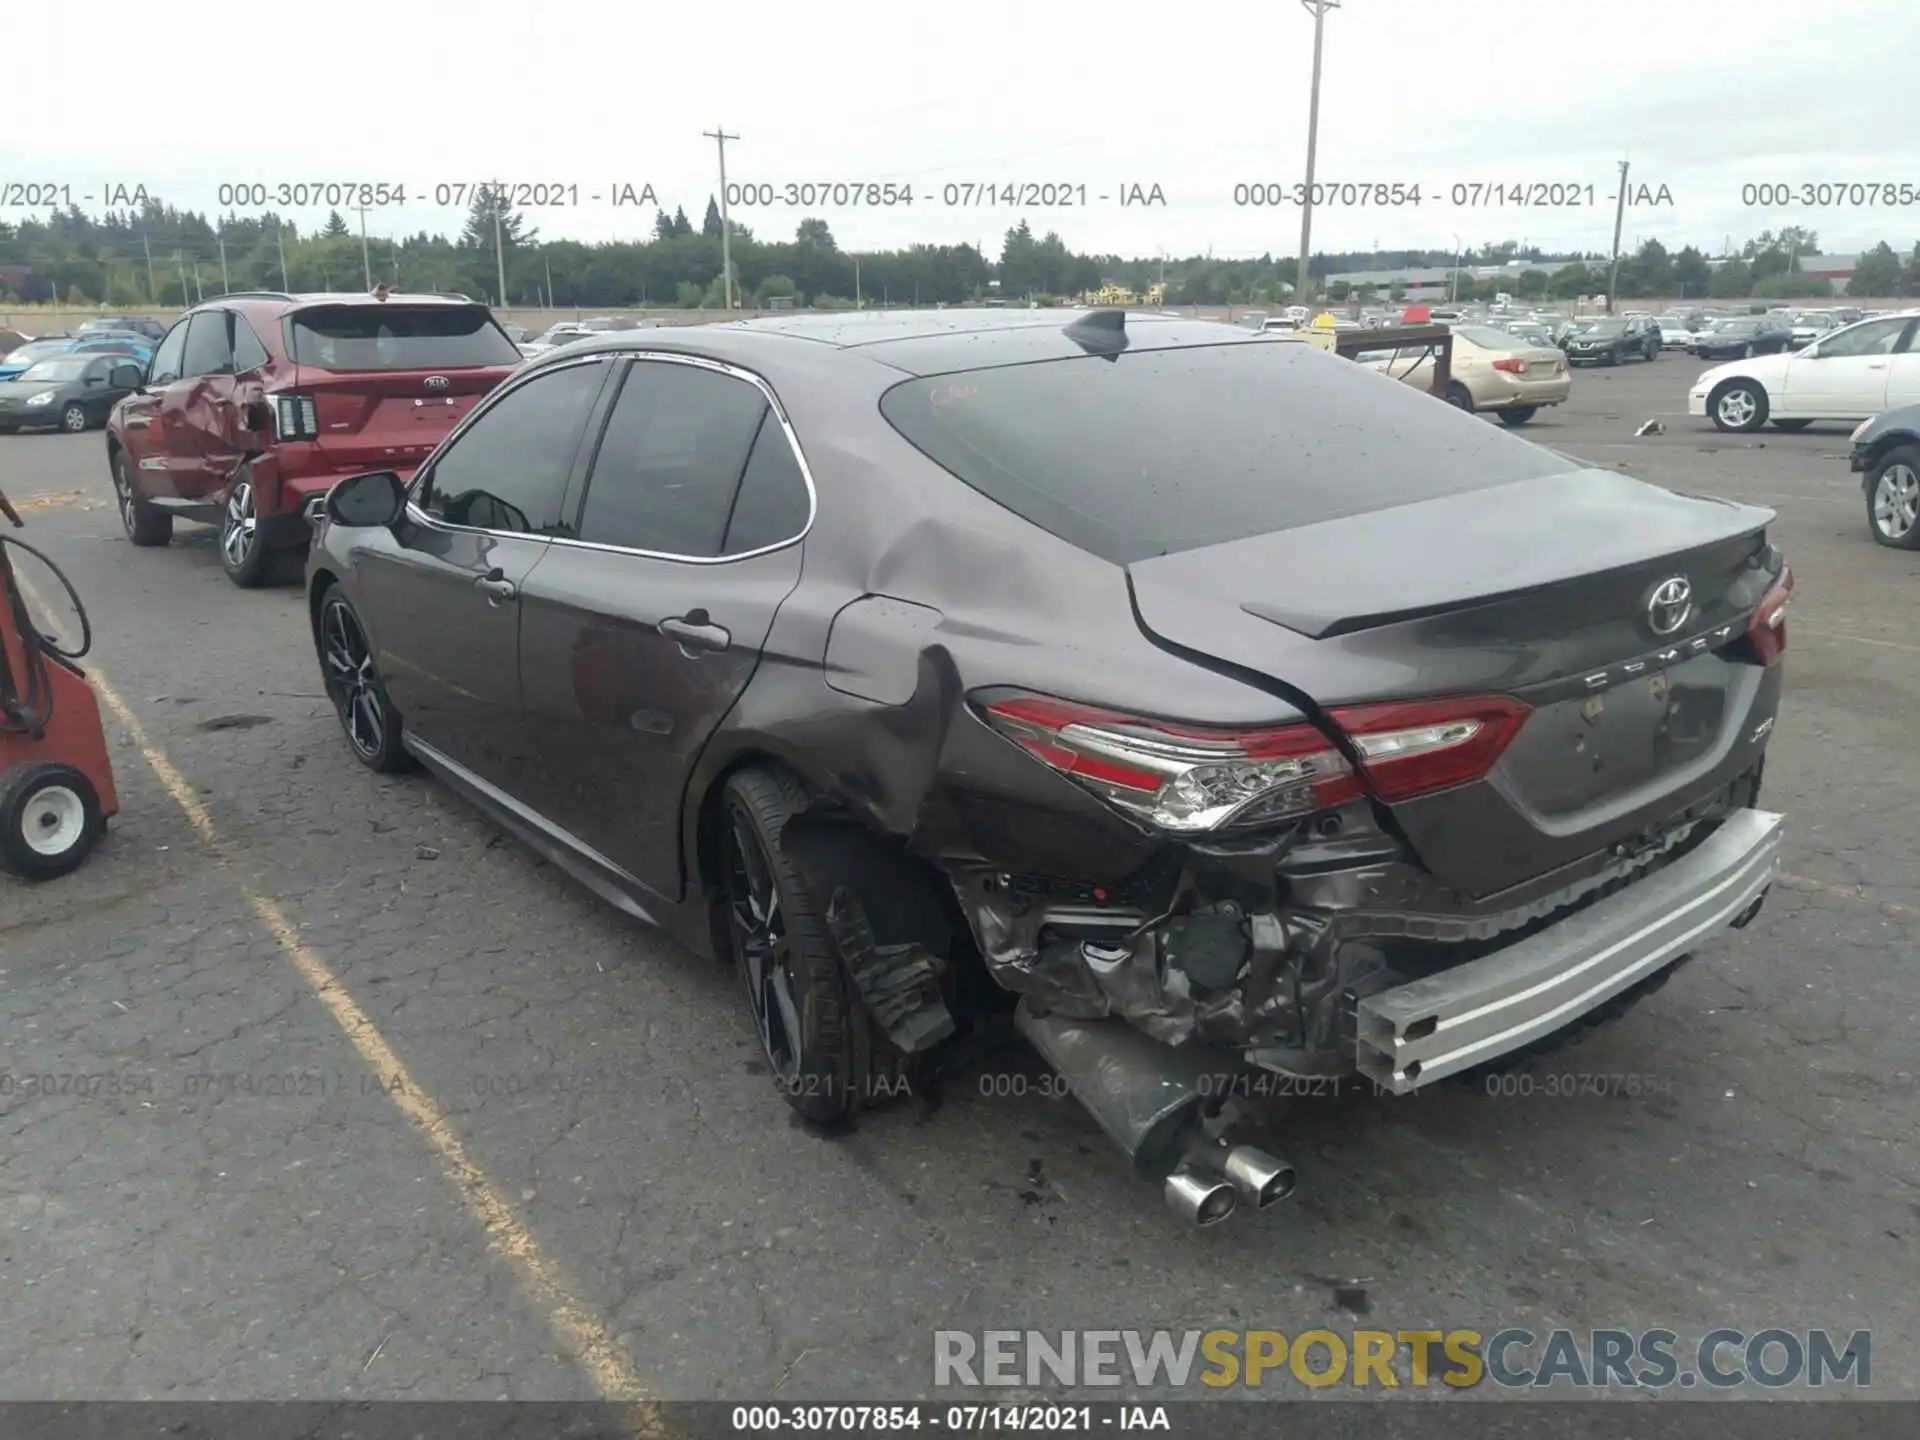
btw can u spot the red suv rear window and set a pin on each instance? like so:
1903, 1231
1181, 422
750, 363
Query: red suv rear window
399, 337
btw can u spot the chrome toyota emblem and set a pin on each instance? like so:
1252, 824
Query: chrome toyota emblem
1670, 605
435, 382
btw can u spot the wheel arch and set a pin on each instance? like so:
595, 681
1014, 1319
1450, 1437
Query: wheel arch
907, 897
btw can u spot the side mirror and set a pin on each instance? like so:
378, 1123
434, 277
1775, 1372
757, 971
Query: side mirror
368, 502
127, 377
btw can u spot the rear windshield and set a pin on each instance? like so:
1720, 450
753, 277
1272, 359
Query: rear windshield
1169, 450
396, 337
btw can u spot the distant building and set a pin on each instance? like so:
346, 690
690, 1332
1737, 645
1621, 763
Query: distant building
1434, 282
1836, 270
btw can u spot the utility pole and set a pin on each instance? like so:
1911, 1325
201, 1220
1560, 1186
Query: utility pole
720, 138
153, 291
549, 264
280, 248
1303, 285
499, 239
1619, 219
856, 282
186, 296
366, 257
226, 285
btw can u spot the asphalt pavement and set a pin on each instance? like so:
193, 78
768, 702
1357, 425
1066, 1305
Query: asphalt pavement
338, 1093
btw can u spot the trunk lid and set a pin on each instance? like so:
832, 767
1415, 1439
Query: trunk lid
389, 379
1542, 590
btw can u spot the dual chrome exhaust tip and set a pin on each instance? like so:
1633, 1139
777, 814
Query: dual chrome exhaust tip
1210, 1185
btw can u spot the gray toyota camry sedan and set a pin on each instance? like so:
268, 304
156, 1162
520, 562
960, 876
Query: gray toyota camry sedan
1221, 709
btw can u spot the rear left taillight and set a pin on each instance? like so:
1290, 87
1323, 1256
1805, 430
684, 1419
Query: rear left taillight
295, 417
1767, 629
1511, 367
1188, 778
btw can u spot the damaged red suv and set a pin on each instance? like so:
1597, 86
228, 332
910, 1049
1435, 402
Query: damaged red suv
256, 403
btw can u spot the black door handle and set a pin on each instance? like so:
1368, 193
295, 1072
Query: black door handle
694, 631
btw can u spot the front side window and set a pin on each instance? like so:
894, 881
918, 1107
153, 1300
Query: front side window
1875, 337
508, 470
166, 360
669, 466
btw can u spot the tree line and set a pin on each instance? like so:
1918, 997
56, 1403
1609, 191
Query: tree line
167, 257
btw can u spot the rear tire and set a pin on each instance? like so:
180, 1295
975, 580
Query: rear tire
1893, 498
1792, 427
1460, 397
244, 552
814, 1033
1518, 414
145, 524
49, 819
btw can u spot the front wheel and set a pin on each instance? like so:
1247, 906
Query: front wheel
1893, 499
813, 1031
244, 553
367, 717
1518, 414
73, 419
49, 819
1739, 406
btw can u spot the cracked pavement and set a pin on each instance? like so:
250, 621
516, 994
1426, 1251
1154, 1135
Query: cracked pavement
228, 1204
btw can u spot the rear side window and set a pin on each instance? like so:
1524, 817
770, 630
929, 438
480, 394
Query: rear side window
773, 504
1168, 450
399, 337
670, 462
248, 352
209, 351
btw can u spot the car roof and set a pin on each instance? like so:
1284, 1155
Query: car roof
279, 301
927, 342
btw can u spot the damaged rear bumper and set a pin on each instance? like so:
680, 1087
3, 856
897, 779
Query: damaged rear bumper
1414, 1034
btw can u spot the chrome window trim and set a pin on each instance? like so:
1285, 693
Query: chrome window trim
699, 362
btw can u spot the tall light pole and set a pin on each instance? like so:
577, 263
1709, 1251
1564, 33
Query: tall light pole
1619, 218
720, 138
500, 239
1303, 286
1453, 293
366, 255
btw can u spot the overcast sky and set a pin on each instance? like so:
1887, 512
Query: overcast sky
1703, 97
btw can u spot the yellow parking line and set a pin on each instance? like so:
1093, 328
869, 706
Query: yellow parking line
609, 1367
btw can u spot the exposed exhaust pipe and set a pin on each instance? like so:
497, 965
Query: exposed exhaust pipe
1148, 1097
1261, 1180
1200, 1199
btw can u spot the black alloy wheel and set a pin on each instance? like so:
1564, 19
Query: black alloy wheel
367, 718
813, 1032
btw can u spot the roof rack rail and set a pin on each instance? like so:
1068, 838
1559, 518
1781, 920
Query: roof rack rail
255, 295
452, 295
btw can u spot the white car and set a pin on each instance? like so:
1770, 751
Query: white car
1810, 325
1848, 374
1675, 333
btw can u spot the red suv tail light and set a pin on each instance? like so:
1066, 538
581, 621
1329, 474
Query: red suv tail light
295, 418
1192, 779
1767, 630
